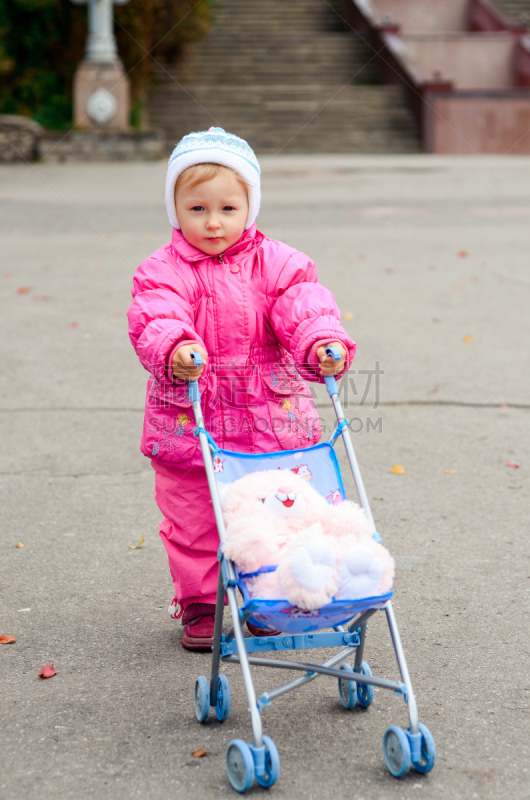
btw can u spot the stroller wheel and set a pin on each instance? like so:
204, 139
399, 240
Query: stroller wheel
222, 706
365, 692
271, 772
396, 751
347, 689
240, 765
428, 751
202, 699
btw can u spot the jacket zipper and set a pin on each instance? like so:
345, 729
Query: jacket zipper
221, 256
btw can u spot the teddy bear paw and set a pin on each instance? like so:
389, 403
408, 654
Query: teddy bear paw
360, 574
312, 564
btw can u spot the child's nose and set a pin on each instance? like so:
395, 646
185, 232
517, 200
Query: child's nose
213, 224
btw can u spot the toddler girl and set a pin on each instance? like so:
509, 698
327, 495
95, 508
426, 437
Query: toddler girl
254, 309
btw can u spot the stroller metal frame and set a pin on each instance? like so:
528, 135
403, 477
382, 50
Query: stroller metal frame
401, 749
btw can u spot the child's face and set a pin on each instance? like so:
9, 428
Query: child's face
212, 215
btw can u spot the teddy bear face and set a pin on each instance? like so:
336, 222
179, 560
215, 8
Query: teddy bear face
275, 494
285, 503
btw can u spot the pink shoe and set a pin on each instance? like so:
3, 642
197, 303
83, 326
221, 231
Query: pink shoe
255, 631
198, 620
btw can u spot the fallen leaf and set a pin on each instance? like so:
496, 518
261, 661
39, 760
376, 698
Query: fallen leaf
389, 271
432, 267
20, 545
136, 546
362, 257
398, 469
348, 315
200, 753
23, 289
459, 287
5, 639
467, 339
450, 471
47, 671
74, 324
41, 297
513, 464
463, 254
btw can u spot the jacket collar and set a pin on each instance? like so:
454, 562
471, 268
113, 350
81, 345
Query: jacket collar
190, 253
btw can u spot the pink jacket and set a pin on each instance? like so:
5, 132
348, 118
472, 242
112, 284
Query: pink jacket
260, 313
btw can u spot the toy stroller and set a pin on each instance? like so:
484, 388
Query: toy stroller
301, 630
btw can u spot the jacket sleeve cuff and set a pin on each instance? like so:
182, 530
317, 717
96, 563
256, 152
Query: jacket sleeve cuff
171, 355
312, 361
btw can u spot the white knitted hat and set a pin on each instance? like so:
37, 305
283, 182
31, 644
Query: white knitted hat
214, 146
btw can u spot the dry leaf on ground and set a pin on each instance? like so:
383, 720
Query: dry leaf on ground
463, 254
200, 753
398, 469
5, 639
20, 545
467, 339
47, 671
348, 315
513, 464
450, 471
23, 289
136, 546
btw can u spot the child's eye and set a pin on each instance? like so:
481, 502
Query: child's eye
229, 208
197, 208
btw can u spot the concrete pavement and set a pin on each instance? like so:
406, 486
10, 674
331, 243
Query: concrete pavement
428, 259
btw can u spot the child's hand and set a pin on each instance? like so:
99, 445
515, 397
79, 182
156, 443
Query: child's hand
183, 364
328, 366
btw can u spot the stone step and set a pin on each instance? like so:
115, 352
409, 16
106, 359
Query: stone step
265, 76
514, 10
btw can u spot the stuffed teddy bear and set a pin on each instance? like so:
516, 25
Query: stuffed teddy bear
321, 551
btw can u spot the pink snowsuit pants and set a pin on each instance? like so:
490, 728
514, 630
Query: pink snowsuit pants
189, 532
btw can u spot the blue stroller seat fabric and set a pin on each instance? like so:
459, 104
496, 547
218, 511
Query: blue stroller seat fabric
341, 624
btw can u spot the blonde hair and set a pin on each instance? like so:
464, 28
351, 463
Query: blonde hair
200, 173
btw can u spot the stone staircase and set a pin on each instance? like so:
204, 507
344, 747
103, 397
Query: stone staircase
287, 76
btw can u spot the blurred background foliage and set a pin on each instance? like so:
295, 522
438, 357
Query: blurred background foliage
42, 43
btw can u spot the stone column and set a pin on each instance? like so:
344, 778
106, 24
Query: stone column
101, 88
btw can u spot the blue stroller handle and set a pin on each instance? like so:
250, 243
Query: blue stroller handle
331, 383
194, 385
